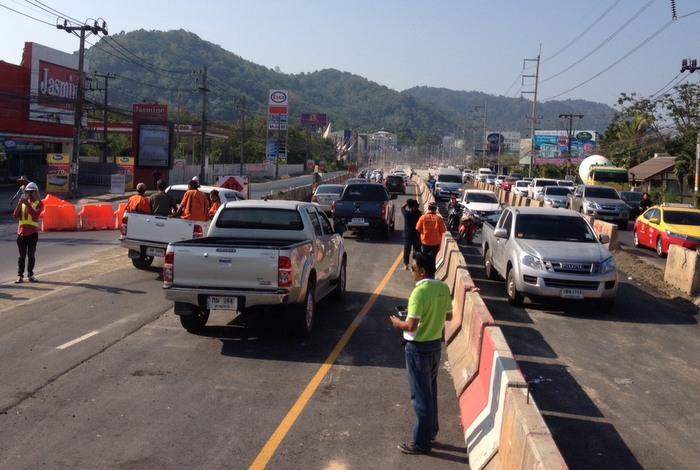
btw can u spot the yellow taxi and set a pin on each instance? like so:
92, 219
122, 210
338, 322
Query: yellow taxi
665, 225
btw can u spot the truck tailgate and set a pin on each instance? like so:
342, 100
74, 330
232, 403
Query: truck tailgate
366, 209
156, 228
222, 267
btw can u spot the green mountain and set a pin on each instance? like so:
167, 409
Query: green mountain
158, 66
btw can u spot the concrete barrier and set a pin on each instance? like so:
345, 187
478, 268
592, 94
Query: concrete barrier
452, 257
456, 264
511, 199
525, 441
683, 269
440, 257
535, 203
606, 228
463, 285
464, 351
482, 403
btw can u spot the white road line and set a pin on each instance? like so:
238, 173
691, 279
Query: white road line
77, 340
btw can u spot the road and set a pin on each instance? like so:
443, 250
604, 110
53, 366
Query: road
99, 374
618, 390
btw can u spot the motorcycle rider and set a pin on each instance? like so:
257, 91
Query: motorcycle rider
454, 213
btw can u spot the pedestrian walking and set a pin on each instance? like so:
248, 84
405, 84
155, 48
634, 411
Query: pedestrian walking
28, 211
195, 204
161, 202
411, 238
431, 227
429, 306
139, 203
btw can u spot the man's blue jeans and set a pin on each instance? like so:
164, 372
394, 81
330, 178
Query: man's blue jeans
422, 363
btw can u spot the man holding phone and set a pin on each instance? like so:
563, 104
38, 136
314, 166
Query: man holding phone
28, 211
429, 306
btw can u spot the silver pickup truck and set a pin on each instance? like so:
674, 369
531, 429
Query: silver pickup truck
257, 253
549, 253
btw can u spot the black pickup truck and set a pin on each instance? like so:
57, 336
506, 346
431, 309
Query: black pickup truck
365, 207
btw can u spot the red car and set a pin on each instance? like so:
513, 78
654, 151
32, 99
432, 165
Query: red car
507, 183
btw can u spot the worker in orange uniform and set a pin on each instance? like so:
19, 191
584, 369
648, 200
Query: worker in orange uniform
431, 227
195, 204
139, 203
215, 201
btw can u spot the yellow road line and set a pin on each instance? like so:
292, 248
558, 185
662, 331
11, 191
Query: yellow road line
270, 447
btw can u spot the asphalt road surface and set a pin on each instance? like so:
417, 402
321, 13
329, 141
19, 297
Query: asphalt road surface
647, 255
617, 390
98, 373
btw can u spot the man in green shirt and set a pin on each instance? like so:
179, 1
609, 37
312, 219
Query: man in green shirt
429, 306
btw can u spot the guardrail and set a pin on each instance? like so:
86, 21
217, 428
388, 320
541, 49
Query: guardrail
503, 428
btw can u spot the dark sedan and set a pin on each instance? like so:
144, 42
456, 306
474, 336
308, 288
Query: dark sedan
395, 184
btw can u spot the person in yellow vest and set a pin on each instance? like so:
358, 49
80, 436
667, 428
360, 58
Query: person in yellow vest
27, 211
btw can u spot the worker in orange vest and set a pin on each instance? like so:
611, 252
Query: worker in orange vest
215, 201
139, 203
431, 227
195, 204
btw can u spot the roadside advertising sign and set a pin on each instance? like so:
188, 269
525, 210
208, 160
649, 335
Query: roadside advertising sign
552, 147
117, 181
125, 166
54, 84
57, 173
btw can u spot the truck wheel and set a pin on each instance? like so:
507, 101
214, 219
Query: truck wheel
515, 298
342, 281
143, 262
307, 312
191, 318
384, 232
488, 265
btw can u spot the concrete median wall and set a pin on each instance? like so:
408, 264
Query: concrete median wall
503, 428
683, 269
606, 228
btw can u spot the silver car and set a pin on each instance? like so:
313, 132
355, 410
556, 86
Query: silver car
326, 195
554, 196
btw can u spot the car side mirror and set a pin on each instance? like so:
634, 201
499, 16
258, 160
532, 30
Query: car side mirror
339, 228
604, 238
394, 195
500, 233
654, 220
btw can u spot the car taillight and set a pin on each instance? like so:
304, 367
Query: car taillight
122, 229
168, 273
197, 231
285, 277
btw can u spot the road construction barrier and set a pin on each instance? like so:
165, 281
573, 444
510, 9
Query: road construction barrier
442, 259
535, 203
59, 217
96, 217
605, 228
683, 269
119, 215
463, 285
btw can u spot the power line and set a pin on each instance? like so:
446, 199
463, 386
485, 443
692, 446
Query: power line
664, 88
53, 10
573, 41
603, 43
27, 15
635, 49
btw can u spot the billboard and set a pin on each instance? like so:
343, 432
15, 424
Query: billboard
314, 121
503, 141
552, 147
53, 84
154, 145
57, 171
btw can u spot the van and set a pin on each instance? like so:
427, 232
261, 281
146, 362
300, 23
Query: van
447, 183
482, 173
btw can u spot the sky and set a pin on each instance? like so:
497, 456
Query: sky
463, 45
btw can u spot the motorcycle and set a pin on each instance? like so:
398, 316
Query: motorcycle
469, 225
454, 215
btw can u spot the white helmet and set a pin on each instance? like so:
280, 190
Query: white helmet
31, 187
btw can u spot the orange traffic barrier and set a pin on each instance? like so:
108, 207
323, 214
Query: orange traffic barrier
51, 200
57, 217
119, 215
96, 217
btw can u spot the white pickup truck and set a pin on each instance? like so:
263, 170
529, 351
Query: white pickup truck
146, 236
257, 254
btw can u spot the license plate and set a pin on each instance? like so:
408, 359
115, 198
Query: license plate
572, 294
151, 251
358, 221
222, 303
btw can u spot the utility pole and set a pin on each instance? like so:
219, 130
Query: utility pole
533, 117
201, 77
570, 135
691, 65
241, 104
105, 144
80, 95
